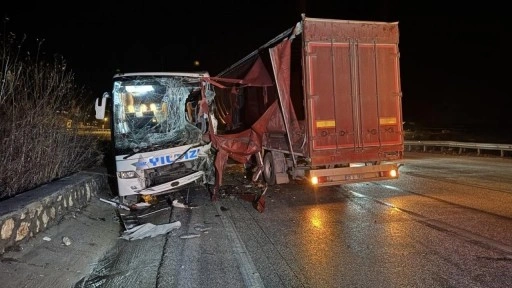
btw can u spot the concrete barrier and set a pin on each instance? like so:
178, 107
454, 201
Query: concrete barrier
34, 211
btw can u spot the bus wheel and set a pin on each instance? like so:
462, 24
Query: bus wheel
269, 173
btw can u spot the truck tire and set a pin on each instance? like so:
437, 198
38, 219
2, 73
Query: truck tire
269, 173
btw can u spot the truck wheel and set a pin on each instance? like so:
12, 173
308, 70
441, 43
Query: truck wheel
269, 173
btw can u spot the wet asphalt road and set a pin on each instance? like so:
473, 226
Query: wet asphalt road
447, 222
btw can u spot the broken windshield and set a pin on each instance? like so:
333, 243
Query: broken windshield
151, 111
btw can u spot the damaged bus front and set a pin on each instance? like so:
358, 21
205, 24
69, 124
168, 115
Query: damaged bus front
159, 134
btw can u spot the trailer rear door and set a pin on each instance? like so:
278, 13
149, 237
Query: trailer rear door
353, 87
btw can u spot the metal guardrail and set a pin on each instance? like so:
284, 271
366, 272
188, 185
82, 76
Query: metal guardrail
462, 146
103, 133
94, 130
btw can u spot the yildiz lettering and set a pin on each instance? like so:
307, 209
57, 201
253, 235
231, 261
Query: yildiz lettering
169, 159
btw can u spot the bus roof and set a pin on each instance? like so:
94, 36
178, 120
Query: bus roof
182, 74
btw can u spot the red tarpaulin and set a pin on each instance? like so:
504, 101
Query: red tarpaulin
242, 145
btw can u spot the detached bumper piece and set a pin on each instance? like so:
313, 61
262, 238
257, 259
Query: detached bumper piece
176, 184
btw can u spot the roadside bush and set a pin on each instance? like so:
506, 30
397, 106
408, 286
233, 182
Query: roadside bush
40, 108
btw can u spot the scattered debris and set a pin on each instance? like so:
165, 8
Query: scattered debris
153, 212
189, 235
116, 204
46, 238
140, 205
259, 202
260, 185
149, 230
177, 204
129, 221
66, 241
202, 228
251, 192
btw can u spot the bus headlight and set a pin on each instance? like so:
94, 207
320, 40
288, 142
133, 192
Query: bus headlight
126, 174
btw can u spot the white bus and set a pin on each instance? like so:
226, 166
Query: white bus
159, 135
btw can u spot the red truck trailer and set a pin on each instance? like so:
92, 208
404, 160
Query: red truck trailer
321, 101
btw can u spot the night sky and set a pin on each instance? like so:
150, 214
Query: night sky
455, 60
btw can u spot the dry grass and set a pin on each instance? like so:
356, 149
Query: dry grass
38, 98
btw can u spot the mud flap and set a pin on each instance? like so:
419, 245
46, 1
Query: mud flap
281, 166
282, 178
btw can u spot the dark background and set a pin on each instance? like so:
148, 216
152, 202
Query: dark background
455, 60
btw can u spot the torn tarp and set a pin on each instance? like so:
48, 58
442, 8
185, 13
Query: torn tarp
278, 116
149, 230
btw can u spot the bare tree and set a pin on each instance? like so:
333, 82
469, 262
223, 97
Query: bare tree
40, 108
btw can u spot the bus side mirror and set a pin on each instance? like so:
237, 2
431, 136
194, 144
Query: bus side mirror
100, 108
